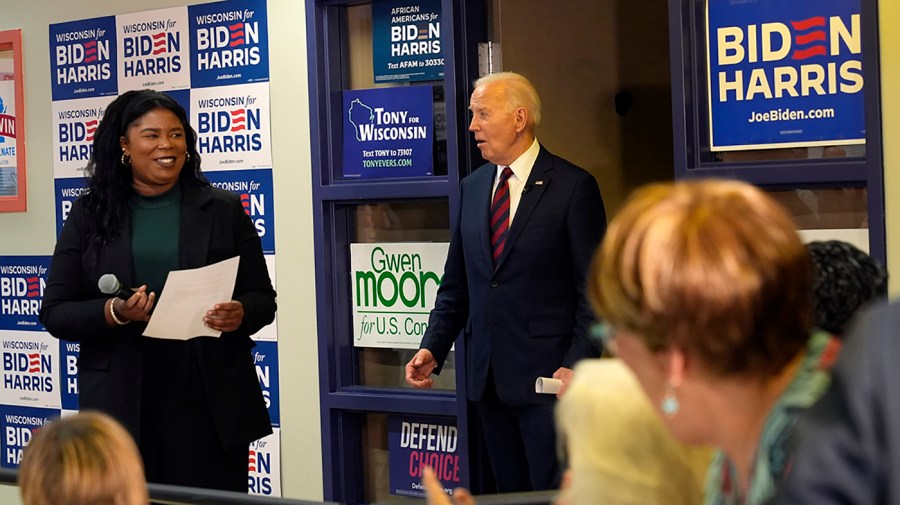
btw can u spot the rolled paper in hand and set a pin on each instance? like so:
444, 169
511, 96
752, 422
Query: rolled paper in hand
547, 386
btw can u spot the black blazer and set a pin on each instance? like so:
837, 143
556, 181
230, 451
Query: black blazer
214, 227
528, 316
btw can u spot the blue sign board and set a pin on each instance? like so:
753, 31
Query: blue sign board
406, 40
388, 132
784, 74
68, 374
22, 282
66, 191
265, 357
229, 43
19, 425
418, 441
255, 189
83, 60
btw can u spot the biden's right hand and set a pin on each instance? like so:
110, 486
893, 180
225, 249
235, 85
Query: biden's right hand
419, 369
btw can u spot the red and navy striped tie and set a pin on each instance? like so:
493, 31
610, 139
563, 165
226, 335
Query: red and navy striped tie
500, 214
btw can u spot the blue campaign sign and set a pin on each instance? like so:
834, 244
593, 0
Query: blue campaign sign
229, 43
785, 74
19, 425
22, 282
68, 374
66, 191
265, 357
406, 40
83, 59
418, 441
388, 132
183, 97
255, 189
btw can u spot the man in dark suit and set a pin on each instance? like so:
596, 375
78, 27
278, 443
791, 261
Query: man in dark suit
848, 444
514, 280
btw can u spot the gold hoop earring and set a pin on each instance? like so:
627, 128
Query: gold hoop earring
126, 159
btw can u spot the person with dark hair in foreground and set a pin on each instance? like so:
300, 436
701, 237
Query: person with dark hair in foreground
845, 279
848, 445
192, 406
84, 459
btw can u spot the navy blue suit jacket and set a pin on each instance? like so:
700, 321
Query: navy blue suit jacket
529, 315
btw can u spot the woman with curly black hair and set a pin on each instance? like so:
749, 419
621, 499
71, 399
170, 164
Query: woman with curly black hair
846, 278
192, 406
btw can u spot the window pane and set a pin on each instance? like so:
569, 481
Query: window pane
829, 214
360, 70
746, 90
830, 208
792, 153
400, 221
376, 461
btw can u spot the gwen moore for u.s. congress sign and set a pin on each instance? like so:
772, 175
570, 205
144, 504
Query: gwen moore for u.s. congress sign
784, 74
393, 289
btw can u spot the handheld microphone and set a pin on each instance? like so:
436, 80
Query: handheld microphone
109, 285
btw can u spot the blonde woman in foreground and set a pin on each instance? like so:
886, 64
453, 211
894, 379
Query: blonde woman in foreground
617, 449
84, 459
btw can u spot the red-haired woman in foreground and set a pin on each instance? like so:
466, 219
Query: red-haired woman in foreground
705, 288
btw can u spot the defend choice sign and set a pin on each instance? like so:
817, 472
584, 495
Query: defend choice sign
417, 441
388, 132
393, 289
784, 74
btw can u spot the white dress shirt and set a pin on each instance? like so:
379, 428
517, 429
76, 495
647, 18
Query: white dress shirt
521, 169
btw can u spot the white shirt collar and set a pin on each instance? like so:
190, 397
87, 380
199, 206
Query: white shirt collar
521, 166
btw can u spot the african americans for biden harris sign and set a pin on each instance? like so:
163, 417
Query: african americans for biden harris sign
211, 58
784, 74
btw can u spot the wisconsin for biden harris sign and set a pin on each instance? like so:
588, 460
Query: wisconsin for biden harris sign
784, 74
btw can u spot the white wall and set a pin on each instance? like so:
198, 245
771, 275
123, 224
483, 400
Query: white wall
33, 232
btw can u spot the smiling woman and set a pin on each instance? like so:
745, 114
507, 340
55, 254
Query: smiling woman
192, 406
155, 144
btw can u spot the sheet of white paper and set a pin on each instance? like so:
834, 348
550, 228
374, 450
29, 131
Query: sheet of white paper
186, 297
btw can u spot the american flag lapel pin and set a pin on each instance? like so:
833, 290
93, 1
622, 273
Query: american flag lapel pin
538, 183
